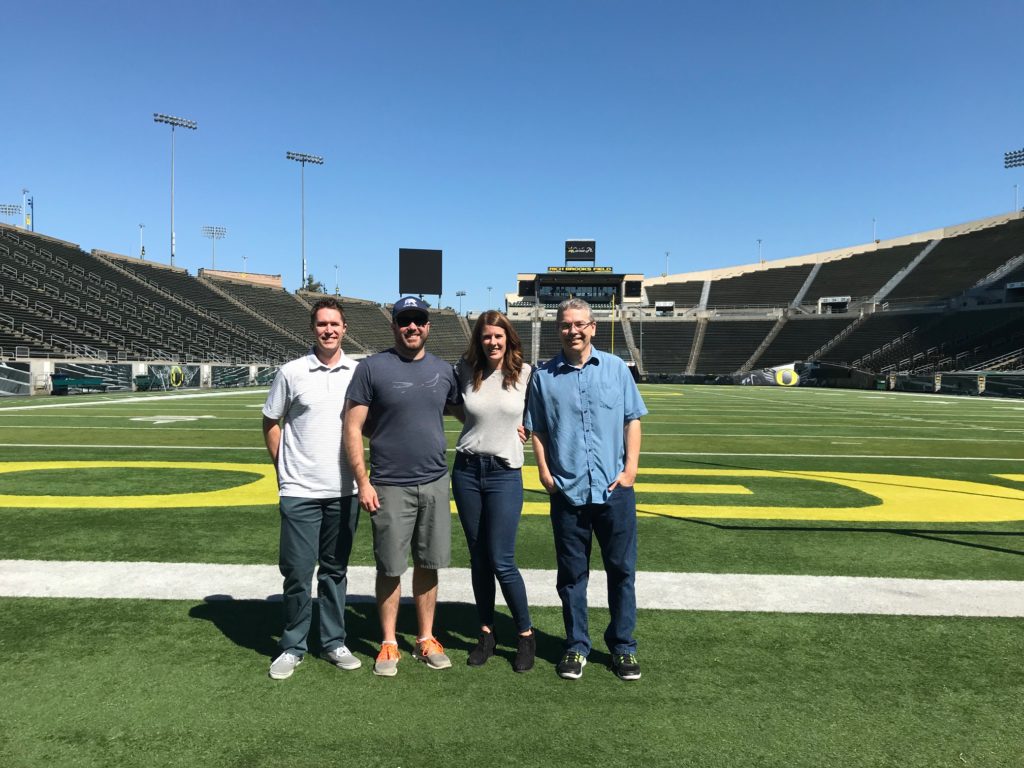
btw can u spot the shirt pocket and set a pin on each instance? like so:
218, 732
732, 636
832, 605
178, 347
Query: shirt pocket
611, 398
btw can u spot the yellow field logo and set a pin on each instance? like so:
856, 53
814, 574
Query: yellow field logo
890, 498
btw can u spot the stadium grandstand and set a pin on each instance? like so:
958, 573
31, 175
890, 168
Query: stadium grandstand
941, 301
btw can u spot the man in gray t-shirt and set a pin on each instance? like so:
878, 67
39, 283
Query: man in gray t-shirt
397, 399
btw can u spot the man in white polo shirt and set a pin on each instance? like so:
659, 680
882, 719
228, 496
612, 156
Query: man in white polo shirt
319, 498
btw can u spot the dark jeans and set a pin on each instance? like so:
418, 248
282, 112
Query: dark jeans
489, 498
313, 529
614, 525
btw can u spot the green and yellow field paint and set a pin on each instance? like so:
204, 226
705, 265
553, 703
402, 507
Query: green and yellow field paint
887, 497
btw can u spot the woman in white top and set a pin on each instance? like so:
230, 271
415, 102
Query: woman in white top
487, 479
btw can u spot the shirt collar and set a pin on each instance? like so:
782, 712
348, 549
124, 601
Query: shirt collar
561, 362
315, 365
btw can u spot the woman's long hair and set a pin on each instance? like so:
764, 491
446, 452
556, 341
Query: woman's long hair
511, 364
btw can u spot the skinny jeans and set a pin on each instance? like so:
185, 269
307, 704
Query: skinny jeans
489, 498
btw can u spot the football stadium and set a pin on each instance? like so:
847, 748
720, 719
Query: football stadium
830, 506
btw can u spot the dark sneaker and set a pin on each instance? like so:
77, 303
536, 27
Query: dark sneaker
526, 651
483, 651
626, 666
571, 666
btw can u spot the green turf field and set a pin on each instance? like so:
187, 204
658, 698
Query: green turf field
732, 480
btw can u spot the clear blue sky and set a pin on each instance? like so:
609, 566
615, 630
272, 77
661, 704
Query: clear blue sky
496, 130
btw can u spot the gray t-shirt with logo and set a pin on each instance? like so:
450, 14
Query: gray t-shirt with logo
405, 423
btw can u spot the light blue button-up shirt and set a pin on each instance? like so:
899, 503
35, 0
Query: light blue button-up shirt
583, 412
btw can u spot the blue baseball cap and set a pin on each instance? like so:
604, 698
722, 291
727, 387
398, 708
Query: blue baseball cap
409, 304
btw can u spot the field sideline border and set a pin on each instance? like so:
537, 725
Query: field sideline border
655, 590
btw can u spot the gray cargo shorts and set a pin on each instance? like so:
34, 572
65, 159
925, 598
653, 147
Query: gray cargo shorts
416, 517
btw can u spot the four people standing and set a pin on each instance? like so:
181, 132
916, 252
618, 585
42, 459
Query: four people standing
584, 409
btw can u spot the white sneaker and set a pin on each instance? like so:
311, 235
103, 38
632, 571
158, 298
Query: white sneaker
342, 658
283, 666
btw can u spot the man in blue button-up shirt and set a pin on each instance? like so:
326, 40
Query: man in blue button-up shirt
584, 410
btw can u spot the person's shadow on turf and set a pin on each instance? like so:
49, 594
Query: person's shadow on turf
257, 625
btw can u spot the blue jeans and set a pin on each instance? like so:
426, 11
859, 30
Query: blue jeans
614, 525
489, 497
311, 530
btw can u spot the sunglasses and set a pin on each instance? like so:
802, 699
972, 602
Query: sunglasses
406, 320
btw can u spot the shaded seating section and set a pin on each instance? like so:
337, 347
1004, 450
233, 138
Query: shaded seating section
878, 330
683, 294
282, 308
369, 324
62, 313
957, 263
801, 337
861, 276
525, 330
764, 288
1016, 275
605, 335
550, 340
448, 336
728, 344
958, 340
29, 333
665, 344
13, 344
181, 284
151, 323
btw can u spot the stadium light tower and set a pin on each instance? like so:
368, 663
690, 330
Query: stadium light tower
215, 234
1014, 159
142, 245
174, 122
302, 158
9, 209
460, 294
337, 291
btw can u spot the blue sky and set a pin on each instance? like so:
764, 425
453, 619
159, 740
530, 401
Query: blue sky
496, 130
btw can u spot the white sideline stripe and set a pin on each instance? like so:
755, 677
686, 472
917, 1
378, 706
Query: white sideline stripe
674, 591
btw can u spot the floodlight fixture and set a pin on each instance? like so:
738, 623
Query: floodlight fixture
9, 209
215, 234
460, 294
1013, 159
174, 122
302, 158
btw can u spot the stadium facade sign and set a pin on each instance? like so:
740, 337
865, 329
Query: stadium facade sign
579, 269
580, 250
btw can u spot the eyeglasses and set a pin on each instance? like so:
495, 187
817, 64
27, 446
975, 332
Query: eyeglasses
405, 322
579, 325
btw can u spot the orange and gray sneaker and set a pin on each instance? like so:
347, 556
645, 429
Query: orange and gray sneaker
386, 664
430, 652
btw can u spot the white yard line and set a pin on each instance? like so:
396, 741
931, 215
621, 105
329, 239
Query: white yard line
674, 591
119, 400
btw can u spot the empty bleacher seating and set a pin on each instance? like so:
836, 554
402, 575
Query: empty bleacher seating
762, 288
728, 344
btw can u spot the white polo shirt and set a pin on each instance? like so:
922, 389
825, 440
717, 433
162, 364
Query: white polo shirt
310, 396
